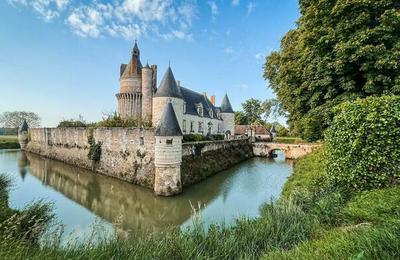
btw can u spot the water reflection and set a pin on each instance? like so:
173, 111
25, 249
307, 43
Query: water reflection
239, 191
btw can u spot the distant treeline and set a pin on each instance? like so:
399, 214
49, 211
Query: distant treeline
8, 131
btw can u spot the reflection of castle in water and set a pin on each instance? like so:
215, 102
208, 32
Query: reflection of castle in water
128, 207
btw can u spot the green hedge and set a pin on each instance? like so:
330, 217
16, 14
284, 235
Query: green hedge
200, 137
363, 144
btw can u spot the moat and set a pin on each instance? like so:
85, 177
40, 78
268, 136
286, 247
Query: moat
83, 199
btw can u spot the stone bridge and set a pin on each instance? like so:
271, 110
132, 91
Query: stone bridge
291, 151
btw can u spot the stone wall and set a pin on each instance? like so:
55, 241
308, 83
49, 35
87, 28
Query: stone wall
202, 159
126, 153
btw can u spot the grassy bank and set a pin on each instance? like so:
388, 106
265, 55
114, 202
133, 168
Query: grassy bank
289, 140
9, 142
362, 225
311, 221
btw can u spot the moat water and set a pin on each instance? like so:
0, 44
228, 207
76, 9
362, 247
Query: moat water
85, 201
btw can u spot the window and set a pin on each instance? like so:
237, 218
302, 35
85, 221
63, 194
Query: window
200, 109
184, 126
169, 141
192, 127
211, 113
200, 127
184, 107
141, 142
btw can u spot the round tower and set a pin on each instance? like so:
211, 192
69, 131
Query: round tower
168, 91
23, 135
147, 93
168, 154
129, 96
228, 117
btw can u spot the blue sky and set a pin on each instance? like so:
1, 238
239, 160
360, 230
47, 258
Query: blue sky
61, 58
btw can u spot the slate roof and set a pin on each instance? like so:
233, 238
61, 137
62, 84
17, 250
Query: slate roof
23, 126
168, 125
273, 129
168, 86
193, 99
226, 106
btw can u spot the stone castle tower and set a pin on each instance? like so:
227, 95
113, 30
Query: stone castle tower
137, 87
168, 153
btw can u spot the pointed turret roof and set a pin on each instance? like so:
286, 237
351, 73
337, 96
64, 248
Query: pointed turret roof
136, 48
23, 126
226, 106
168, 86
134, 66
168, 125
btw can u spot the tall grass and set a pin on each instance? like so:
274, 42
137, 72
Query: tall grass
280, 226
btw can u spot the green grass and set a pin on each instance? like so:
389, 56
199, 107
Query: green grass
311, 221
289, 140
308, 175
9, 142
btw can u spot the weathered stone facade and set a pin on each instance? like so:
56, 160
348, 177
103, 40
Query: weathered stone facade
203, 159
291, 151
126, 153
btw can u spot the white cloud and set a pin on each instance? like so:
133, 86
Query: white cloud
214, 8
235, 2
251, 7
260, 56
119, 18
229, 50
47, 9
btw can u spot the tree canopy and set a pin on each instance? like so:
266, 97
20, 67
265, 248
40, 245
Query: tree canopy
339, 51
14, 119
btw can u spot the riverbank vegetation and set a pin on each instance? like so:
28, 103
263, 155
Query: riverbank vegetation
9, 142
318, 215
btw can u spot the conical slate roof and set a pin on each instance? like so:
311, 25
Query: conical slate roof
226, 106
168, 87
168, 125
273, 129
23, 126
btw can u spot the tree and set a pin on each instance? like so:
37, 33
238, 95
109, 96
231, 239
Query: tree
253, 111
15, 119
240, 118
339, 51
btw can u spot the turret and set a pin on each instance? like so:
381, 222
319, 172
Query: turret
129, 97
273, 132
147, 93
23, 135
228, 116
168, 91
168, 154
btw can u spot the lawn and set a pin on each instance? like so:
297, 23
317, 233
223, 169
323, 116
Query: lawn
9, 142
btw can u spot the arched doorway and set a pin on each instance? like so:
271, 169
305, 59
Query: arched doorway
228, 135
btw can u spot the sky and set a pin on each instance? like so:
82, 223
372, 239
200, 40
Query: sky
61, 58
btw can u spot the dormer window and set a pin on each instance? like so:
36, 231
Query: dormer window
200, 109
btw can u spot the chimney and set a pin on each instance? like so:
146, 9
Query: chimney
213, 100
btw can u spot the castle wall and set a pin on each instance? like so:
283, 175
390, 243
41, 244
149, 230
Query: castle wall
229, 122
203, 159
159, 106
196, 119
126, 153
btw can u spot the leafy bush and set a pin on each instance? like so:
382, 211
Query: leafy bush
114, 120
363, 144
193, 138
72, 123
200, 137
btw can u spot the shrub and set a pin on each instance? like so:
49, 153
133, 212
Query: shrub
363, 144
193, 138
114, 120
72, 123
